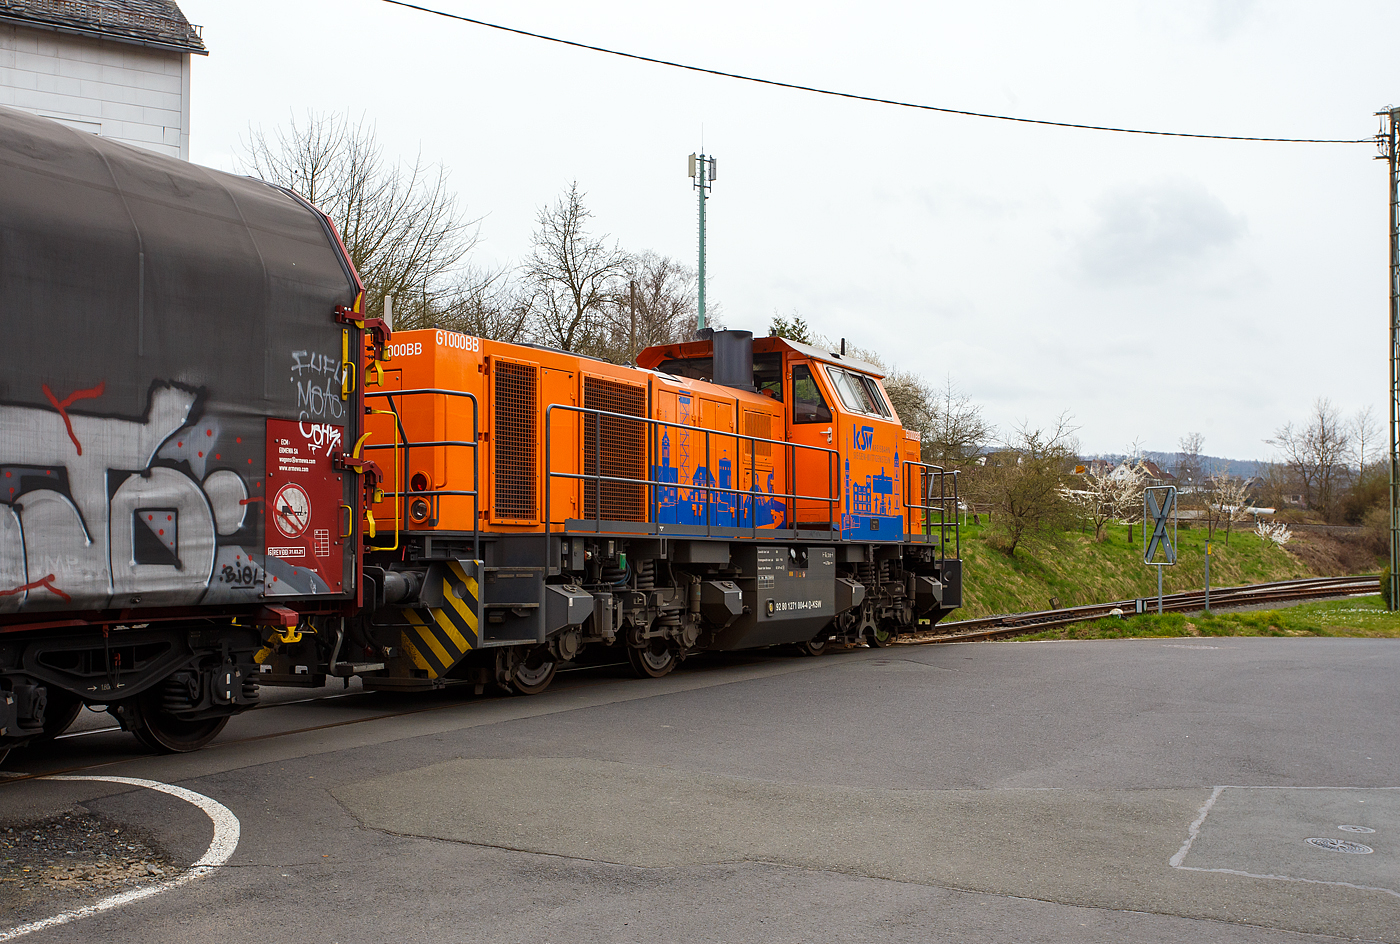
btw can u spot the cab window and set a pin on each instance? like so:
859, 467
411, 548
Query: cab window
876, 396
768, 375
808, 405
858, 393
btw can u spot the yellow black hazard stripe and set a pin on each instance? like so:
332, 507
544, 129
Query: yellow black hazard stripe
436, 638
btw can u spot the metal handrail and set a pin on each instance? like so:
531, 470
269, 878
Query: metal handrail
400, 524
931, 505
654, 484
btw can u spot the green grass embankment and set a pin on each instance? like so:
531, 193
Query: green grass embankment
1078, 570
1364, 617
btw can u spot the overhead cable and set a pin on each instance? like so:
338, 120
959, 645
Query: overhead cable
869, 98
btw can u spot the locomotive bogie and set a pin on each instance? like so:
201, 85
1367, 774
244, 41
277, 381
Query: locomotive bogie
166, 684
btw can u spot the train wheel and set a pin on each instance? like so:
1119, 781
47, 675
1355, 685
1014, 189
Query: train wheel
61, 711
164, 733
653, 661
814, 647
535, 672
882, 635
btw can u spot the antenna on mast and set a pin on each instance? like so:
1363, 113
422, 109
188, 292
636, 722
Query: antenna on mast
702, 173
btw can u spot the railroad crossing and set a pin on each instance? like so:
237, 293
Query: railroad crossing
1153, 790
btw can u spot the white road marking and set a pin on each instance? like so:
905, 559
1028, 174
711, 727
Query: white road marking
225, 841
1194, 830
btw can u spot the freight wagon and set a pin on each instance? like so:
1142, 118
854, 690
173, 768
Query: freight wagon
216, 473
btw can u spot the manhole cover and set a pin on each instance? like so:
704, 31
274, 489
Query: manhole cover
1340, 845
1356, 829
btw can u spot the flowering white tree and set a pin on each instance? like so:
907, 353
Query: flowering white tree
1275, 531
1110, 495
1231, 498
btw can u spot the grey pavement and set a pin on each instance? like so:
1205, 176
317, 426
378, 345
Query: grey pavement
1132, 790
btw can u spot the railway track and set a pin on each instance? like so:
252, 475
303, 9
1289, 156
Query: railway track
1018, 624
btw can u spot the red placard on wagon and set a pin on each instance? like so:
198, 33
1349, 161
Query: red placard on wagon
301, 526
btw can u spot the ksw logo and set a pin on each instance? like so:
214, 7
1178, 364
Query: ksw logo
864, 435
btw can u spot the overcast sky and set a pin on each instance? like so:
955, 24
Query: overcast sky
1149, 286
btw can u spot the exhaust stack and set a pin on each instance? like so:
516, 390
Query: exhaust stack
733, 358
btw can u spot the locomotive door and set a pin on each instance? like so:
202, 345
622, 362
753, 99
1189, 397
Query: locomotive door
720, 450
561, 387
815, 474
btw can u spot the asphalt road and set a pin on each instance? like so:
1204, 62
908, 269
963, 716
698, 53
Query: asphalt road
1115, 791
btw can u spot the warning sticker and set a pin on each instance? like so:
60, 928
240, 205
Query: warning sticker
291, 510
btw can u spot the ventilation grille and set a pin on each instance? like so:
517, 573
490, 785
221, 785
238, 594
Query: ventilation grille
514, 408
624, 450
760, 425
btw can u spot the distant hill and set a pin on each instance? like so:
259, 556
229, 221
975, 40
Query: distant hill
1241, 468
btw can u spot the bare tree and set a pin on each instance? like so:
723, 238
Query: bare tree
656, 303
1276, 483
1316, 453
1189, 469
1025, 485
572, 277
957, 433
486, 304
913, 400
399, 221
1365, 438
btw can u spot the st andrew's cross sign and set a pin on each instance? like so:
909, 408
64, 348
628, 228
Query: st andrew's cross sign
1159, 512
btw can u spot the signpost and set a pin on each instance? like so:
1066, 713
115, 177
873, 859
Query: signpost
1158, 512
1207, 578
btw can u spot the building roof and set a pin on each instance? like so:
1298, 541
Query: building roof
157, 23
1156, 471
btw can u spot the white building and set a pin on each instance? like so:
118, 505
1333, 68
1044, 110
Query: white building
118, 68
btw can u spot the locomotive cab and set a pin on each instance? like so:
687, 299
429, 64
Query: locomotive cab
834, 404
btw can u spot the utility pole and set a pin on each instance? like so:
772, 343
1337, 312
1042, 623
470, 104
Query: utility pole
702, 172
632, 335
1386, 139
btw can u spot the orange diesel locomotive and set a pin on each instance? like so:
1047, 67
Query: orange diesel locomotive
726, 494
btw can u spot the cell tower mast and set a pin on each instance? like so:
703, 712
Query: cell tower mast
702, 173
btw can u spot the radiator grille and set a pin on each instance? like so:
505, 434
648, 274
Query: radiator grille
624, 450
514, 408
760, 425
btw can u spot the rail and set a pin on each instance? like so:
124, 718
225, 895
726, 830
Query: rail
918, 515
745, 503
1019, 624
404, 483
